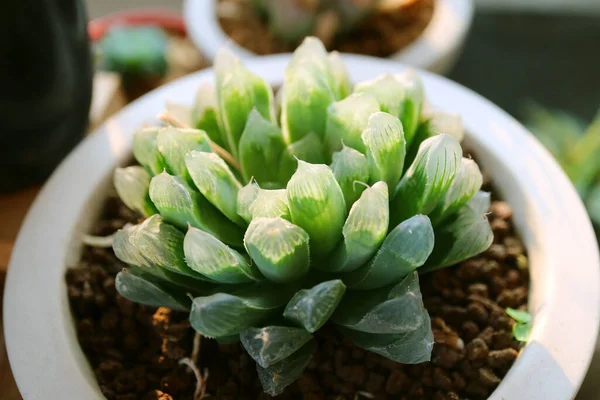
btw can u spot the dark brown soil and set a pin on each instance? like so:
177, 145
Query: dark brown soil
380, 35
135, 350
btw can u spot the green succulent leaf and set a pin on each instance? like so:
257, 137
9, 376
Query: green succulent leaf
272, 344
138, 287
145, 150
412, 347
386, 148
270, 204
388, 91
278, 376
245, 198
480, 202
405, 249
310, 149
225, 314
279, 248
181, 205
519, 315
239, 91
343, 86
216, 182
386, 310
311, 308
215, 260
364, 231
175, 143
447, 123
521, 332
205, 114
349, 166
427, 179
347, 119
462, 237
412, 104
132, 184
466, 183
317, 205
261, 147
153, 244
309, 90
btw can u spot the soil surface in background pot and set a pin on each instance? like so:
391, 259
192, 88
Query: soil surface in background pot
135, 350
380, 35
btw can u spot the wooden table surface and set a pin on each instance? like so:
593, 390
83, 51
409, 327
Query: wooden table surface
13, 208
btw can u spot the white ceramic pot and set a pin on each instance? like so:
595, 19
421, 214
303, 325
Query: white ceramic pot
436, 50
565, 269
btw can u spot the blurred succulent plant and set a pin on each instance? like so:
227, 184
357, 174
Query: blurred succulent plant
302, 243
577, 149
292, 20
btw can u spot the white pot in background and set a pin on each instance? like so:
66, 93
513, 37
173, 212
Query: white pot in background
565, 269
436, 50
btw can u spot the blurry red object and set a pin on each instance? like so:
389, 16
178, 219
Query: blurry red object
168, 20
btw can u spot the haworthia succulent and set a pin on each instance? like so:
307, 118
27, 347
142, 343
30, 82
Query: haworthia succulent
138, 287
272, 344
175, 143
205, 114
278, 376
270, 204
480, 202
310, 149
145, 150
412, 104
317, 205
309, 89
215, 260
388, 91
427, 179
466, 183
311, 308
216, 182
347, 119
245, 198
462, 237
132, 184
279, 248
387, 310
405, 249
225, 314
385, 148
343, 86
181, 205
450, 124
350, 168
153, 244
239, 91
364, 231
260, 150
412, 347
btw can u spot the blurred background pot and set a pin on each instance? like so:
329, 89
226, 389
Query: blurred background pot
435, 48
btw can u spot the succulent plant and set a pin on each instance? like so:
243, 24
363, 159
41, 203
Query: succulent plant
576, 147
292, 20
270, 244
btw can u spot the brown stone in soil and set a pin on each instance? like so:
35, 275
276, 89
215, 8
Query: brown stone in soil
134, 350
381, 34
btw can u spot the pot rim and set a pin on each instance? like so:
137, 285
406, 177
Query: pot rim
442, 38
41, 341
